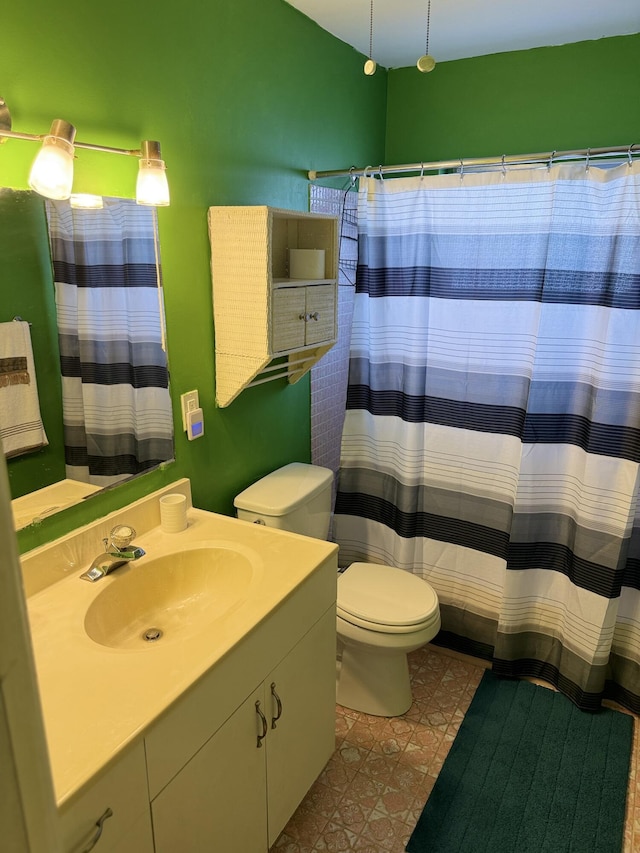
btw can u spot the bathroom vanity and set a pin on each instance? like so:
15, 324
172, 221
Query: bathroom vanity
209, 737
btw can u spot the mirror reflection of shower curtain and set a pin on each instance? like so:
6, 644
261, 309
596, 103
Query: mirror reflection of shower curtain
115, 382
492, 435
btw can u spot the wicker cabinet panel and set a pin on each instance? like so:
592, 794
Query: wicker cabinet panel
288, 329
321, 313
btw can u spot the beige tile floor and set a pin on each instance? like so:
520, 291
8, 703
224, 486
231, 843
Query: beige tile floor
373, 789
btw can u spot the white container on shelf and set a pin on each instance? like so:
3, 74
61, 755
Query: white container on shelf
306, 264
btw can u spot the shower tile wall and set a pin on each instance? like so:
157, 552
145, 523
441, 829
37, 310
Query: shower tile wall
329, 376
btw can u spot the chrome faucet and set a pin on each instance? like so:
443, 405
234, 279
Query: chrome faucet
118, 550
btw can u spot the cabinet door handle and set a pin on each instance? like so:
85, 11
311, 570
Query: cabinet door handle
99, 827
265, 727
275, 719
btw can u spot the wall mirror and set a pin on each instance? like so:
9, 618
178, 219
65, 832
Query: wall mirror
82, 290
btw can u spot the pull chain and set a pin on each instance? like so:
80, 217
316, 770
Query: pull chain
427, 63
370, 65
426, 47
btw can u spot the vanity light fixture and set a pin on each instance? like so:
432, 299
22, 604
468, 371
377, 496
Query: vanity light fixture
52, 171
426, 62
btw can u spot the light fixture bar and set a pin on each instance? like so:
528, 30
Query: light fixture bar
90, 146
13, 134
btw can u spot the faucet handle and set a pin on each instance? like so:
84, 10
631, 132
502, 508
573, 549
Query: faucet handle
121, 536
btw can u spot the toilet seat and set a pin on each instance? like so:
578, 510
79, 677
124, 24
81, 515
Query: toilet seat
385, 599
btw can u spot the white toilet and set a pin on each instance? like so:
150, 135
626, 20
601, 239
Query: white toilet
383, 613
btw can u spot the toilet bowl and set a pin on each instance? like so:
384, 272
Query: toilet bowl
383, 613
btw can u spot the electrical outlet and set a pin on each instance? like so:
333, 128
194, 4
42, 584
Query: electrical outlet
189, 403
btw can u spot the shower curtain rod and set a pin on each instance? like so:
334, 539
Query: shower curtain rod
505, 160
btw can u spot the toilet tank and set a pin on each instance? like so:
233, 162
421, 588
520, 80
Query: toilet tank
296, 498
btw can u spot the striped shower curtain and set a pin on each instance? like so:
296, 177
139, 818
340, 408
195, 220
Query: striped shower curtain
115, 382
492, 436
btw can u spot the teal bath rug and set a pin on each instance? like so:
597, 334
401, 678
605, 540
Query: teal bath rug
529, 772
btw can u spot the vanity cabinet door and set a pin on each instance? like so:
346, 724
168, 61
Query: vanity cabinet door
217, 802
301, 699
123, 791
234, 795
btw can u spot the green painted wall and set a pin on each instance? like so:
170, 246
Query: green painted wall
26, 290
245, 96
553, 98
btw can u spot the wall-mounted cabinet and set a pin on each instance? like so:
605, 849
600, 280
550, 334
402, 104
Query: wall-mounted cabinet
268, 323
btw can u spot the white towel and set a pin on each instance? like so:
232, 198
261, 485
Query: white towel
21, 427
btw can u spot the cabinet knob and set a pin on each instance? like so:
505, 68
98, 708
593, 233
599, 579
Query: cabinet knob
314, 316
275, 719
96, 835
263, 720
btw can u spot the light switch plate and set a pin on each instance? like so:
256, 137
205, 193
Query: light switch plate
189, 403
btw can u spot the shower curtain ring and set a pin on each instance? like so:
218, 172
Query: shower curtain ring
461, 168
629, 154
504, 167
551, 156
586, 167
380, 172
421, 171
352, 176
365, 173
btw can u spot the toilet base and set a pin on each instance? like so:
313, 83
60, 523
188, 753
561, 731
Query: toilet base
373, 683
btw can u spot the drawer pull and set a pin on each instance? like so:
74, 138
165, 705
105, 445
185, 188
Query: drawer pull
265, 727
98, 832
275, 719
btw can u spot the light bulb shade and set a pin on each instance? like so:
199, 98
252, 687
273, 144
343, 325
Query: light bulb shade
52, 171
152, 187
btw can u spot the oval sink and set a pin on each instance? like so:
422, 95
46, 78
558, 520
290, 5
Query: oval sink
151, 602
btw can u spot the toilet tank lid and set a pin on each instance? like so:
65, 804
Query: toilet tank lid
285, 489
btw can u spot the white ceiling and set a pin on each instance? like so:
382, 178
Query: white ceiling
463, 28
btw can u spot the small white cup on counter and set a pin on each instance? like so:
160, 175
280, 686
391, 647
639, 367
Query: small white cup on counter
173, 513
